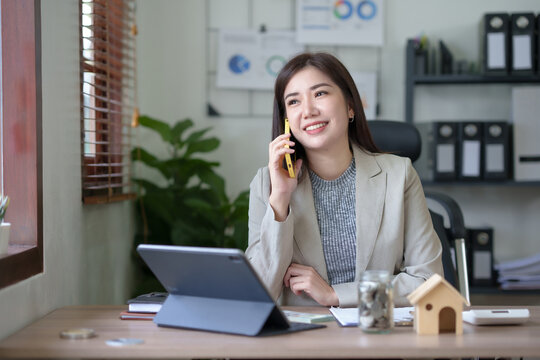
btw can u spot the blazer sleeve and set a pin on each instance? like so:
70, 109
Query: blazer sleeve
270, 242
422, 248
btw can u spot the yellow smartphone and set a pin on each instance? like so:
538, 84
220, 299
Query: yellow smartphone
288, 161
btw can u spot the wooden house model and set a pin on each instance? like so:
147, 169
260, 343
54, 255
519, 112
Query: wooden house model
438, 307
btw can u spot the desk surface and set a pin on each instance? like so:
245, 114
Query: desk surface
41, 340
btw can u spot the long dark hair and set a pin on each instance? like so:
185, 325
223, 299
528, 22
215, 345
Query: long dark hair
328, 64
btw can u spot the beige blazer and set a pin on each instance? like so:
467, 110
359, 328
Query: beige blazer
394, 231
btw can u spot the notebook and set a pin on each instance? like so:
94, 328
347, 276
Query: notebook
214, 289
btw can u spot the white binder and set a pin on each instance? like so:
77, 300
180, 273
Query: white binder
526, 119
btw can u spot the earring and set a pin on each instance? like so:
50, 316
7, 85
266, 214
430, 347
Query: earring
351, 119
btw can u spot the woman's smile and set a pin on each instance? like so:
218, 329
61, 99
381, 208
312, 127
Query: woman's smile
315, 128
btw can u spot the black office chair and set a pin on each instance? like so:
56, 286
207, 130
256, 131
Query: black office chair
403, 139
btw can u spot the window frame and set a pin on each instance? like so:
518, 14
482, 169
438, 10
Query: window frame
22, 111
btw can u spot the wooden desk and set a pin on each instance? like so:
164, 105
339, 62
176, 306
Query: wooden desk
41, 340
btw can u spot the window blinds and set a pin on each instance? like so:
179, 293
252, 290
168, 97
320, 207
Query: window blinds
108, 98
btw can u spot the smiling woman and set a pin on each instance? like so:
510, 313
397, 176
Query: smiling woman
351, 209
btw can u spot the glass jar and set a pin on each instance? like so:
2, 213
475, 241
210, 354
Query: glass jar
375, 302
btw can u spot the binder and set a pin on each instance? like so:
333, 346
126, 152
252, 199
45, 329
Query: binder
481, 257
424, 163
523, 44
496, 43
447, 60
470, 150
445, 148
497, 150
538, 44
526, 146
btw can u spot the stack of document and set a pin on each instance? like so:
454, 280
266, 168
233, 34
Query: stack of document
349, 316
520, 274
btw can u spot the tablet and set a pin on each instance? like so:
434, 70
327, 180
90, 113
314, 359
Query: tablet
496, 316
214, 289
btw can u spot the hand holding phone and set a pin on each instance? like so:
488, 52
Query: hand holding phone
288, 161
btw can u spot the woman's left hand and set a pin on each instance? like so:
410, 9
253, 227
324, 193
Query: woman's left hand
304, 278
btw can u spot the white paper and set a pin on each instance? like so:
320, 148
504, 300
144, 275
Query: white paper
366, 83
349, 316
471, 158
344, 22
495, 157
496, 58
445, 158
521, 52
482, 264
517, 265
249, 59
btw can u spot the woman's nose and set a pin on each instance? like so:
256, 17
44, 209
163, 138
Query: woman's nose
309, 108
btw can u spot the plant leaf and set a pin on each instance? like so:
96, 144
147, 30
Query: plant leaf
215, 181
184, 233
203, 146
146, 185
140, 154
196, 135
158, 126
177, 131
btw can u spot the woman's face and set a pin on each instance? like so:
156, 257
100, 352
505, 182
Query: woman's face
317, 110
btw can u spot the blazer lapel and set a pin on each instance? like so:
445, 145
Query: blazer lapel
370, 195
306, 227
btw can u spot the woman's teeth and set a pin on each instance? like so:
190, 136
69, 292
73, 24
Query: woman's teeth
316, 126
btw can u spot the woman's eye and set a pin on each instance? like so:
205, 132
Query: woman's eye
320, 93
292, 102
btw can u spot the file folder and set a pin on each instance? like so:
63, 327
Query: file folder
538, 44
496, 43
523, 44
497, 150
445, 143
446, 58
526, 130
470, 150
481, 269
424, 163
214, 289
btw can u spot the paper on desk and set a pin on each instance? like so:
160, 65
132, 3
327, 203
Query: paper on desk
349, 316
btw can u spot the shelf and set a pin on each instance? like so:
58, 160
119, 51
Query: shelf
473, 79
509, 183
412, 80
499, 291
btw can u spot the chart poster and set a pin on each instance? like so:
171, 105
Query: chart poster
366, 83
340, 22
249, 59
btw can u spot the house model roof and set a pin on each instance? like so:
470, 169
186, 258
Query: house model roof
431, 284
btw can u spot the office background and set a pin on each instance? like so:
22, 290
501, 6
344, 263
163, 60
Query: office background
87, 248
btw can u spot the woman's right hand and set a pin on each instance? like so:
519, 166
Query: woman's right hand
282, 185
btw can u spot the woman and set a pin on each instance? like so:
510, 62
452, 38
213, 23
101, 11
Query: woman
350, 208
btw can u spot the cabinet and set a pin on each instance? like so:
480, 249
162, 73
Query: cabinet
472, 192
413, 80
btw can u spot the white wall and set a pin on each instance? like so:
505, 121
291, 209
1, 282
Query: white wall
86, 248
173, 54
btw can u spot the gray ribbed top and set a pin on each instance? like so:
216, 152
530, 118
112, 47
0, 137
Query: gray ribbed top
336, 215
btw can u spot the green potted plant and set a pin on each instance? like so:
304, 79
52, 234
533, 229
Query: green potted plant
188, 205
4, 226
